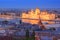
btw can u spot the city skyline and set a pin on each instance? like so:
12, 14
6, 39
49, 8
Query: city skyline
30, 4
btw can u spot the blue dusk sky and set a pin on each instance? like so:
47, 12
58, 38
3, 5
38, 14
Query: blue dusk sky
25, 4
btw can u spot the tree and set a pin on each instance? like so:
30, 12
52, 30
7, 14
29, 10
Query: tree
33, 35
27, 34
20, 21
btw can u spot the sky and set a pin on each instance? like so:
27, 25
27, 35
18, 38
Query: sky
26, 4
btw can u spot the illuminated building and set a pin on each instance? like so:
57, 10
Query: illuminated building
31, 15
47, 16
6, 17
37, 15
24, 15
